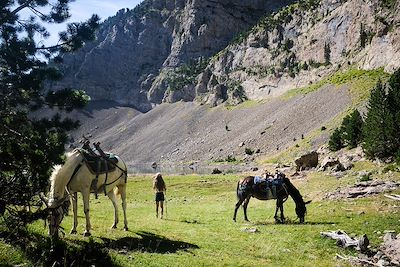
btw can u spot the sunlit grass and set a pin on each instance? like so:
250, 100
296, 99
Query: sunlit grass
360, 83
199, 212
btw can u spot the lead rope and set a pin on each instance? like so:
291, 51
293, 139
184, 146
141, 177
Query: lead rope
287, 193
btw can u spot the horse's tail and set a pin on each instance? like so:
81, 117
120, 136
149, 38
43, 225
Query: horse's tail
237, 190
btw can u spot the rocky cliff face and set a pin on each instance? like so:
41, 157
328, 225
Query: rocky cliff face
222, 52
300, 45
138, 49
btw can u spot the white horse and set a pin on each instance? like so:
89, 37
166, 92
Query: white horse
74, 176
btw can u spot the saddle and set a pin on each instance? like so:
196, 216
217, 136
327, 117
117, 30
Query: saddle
98, 164
268, 185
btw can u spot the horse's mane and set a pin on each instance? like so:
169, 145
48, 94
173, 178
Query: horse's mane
293, 191
62, 170
57, 168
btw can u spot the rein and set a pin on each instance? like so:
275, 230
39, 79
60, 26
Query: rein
287, 193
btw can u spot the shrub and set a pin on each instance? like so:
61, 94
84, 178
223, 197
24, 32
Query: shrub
230, 158
248, 151
327, 53
365, 178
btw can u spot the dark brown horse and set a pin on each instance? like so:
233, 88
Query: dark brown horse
283, 188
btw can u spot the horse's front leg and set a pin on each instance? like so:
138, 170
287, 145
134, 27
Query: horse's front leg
75, 210
281, 208
85, 196
276, 212
111, 196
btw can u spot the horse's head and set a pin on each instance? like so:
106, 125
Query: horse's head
301, 210
56, 215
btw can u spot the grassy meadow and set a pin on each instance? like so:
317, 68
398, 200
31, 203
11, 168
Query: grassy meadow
197, 229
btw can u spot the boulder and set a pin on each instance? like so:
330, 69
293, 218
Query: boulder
216, 171
331, 163
307, 161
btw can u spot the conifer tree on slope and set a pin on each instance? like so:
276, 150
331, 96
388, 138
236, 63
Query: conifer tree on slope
352, 128
376, 130
393, 100
29, 147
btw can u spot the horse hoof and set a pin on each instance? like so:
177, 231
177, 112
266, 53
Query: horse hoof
114, 227
87, 234
125, 228
73, 232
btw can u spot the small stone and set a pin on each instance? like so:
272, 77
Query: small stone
249, 229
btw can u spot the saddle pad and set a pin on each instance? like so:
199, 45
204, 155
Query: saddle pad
258, 179
275, 181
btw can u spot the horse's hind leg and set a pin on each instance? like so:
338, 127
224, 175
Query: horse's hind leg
75, 210
111, 196
122, 191
245, 203
237, 206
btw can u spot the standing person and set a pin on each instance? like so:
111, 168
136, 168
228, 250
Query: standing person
159, 188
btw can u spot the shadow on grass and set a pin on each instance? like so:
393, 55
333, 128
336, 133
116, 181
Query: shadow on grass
290, 222
148, 242
41, 251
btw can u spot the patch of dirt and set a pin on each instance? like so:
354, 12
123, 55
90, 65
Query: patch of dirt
363, 189
188, 134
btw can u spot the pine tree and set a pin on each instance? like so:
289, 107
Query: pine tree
393, 102
376, 129
335, 141
29, 147
352, 129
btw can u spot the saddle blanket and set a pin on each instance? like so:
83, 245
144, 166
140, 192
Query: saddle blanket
269, 181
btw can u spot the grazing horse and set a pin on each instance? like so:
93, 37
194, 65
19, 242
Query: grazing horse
247, 188
75, 176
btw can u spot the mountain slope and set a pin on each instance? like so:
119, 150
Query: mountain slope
182, 134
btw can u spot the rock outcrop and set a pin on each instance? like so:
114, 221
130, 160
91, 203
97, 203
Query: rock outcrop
307, 161
300, 45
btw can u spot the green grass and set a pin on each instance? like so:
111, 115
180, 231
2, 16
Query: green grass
360, 83
199, 218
